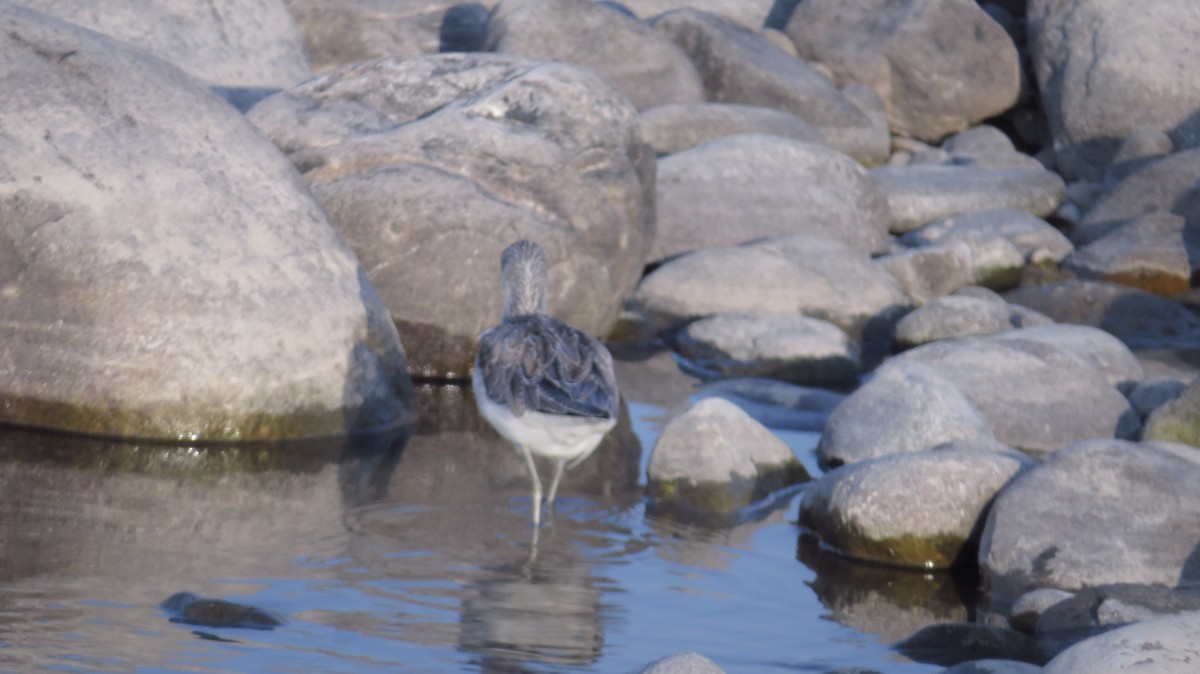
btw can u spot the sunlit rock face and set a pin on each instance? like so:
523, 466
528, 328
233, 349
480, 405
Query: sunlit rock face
164, 272
431, 166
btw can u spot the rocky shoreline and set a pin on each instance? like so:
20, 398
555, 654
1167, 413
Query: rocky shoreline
978, 223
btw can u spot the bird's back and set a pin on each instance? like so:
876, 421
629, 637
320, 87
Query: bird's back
535, 363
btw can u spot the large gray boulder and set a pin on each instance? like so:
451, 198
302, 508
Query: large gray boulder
228, 43
739, 65
752, 186
904, 407
1037, 396
165, 272
1106, 68
806, 275
464, 155
631, 56
749, 13
941, 65
922, 193
1097, 511
900, 509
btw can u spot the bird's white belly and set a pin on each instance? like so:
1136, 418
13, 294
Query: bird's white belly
553, 436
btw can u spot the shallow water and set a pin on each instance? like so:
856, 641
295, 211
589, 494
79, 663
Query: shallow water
414, 554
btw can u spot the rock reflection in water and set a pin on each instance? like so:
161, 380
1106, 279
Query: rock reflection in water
892, 603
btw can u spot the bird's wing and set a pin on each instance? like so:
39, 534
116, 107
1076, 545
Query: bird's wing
534, 362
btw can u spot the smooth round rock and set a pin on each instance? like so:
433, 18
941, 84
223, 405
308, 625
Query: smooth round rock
1034, 237
640, 62
1105, 69
752, 186
797, 349
951, 644
1155, 253
931, 272
674, 128
1097, 610
682, 663
465, 154
1036, 397
163, 274
812, 276
923, 193
1163, 646
900, 509
1141, 147
1177, 420
1107, 353
1136, 317
714, 459
1030, 606
1161, 185
1096, 512
941, 65
902, 408
962, 316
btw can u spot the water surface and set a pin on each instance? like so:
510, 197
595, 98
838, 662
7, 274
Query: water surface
413, 553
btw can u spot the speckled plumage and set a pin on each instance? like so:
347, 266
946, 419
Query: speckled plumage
545, 386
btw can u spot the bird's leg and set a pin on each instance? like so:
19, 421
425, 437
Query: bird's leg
537, 486
558, 473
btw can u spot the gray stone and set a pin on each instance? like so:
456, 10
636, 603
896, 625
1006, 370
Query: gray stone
1096, 512
993, 666
1161, 185
983, 139
1034, 237
998, 264
163, 274
1105, 69
898, 509
902, 408
1030, 606
466, 153
1140, 147
340, 32
1138, 318
941, 65
931, 272
960, 316
231, 43
951, 644
1037, 397
1104, 351
1154, 253
921, 194
739, 65
1100, 609
674, 128
790, 348
1177, 420
1163, 646
681, 663
751, 186
631, 56
777, 404
714, 459
869, 145
1152, 394
749, 13
812, 276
